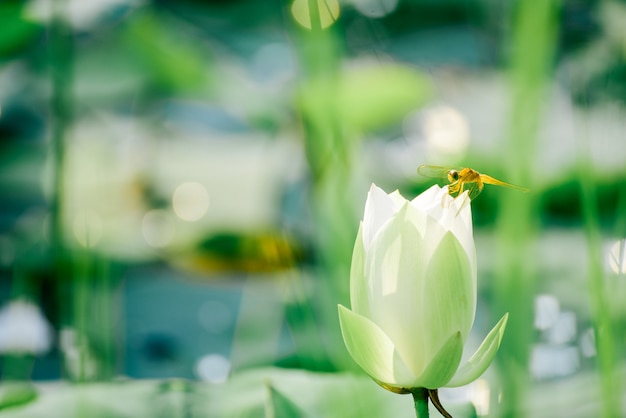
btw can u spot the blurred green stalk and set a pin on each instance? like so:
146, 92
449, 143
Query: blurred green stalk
533, 44
329, 155
61, 58
61, 72
84, 288
93, 317
599, 300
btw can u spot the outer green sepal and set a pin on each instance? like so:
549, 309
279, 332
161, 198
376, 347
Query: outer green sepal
372, 349
482, 358
442, 367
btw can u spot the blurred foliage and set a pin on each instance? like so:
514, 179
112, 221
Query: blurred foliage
16, 394
561, 203
322, 13
15, 31
168, 54
278, 405
251, 253
368, 98
595, 72
268, 391
222, 75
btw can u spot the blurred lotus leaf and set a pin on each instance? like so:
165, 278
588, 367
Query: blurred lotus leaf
366, 98
168, 53
14, 394
15, 31
146, 52
278, 405
253, 252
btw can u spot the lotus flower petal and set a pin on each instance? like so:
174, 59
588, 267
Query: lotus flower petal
358, 284
394, 269
442, 367
372, 349
447, 274
379, 208
482, 358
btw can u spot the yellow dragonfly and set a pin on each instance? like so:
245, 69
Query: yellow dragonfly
461, 179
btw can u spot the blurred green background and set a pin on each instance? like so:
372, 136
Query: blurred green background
181, 183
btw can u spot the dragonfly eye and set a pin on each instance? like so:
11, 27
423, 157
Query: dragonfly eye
453, 175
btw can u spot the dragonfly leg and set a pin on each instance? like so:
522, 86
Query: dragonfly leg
453, 188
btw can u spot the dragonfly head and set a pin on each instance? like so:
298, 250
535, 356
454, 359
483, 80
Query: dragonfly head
453, 175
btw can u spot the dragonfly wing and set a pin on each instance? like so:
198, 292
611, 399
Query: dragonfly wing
433, 171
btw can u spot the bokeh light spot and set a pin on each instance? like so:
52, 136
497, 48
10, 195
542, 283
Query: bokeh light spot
24, 329
212, 368
547, 310
564, 329
587, 343
375, 8
479, 395
157, 228
552, 361
327, 10
191, 201
446, 130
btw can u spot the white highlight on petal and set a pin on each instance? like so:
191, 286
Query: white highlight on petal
390, 285
379, 208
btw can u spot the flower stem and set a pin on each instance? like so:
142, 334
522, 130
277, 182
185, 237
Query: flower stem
433, 394
420, 398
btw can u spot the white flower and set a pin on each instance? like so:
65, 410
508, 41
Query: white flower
413, 292
23, 329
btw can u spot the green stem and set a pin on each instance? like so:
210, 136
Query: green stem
61, 107
329, 155
314, 12
420, 398
598, 291
534, 38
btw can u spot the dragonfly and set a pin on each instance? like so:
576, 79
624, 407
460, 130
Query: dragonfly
461, 179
